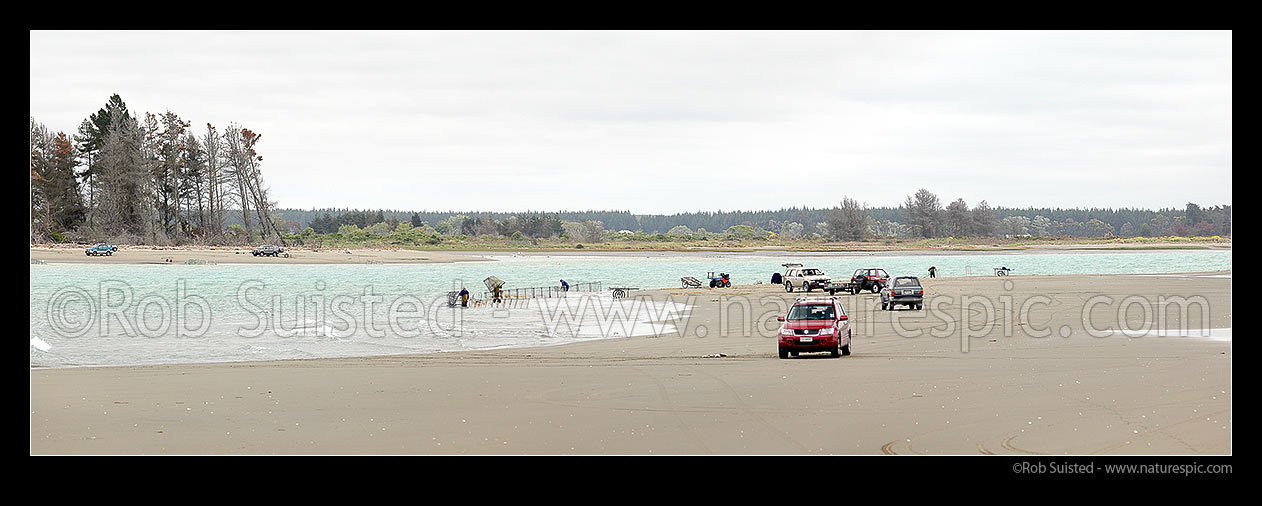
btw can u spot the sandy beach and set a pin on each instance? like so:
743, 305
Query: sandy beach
1003, 391
225, 255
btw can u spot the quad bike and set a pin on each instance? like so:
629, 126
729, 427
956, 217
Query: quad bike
720, 281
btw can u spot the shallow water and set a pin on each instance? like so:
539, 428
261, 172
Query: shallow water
85, 314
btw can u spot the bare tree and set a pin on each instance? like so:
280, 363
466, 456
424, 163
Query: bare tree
593, 231
236, 168
168, 147
214, 179
240, 144
124, 200
41, 160
193, 182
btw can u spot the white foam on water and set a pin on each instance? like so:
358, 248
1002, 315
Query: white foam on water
40, 345
601, 316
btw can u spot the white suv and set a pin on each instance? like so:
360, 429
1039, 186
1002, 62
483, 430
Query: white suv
805, 279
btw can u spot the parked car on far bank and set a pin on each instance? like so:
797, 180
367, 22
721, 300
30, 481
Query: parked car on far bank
268, 250
100, 249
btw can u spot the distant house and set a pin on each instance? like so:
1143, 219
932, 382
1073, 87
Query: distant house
625, 232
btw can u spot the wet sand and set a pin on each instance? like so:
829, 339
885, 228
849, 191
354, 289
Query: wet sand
1009, 393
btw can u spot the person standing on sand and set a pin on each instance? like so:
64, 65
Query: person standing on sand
933, 271
496, 293
565, 287
464, 297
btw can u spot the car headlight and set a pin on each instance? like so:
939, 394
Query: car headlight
825, 332
786, 332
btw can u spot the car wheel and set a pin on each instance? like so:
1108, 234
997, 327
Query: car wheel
876, 288
806, 286
788, 287
836, 352
784, 353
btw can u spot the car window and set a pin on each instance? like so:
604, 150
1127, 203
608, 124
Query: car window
813, 312
882, 273
906, 282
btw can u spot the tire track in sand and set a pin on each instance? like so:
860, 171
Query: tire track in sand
670, 408
744, 409
1007, 444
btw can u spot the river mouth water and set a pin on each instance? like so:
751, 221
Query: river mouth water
121, 314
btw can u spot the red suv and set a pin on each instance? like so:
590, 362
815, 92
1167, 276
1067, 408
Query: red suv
815, 324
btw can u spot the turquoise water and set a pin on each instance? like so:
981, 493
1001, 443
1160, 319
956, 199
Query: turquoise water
86, 314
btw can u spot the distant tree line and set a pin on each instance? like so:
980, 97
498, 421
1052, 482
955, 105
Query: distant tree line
922, 215
152, 180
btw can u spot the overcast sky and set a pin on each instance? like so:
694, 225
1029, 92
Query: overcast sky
660, 122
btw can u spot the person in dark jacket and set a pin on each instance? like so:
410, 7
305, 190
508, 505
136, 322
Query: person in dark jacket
464, 297
933, 271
